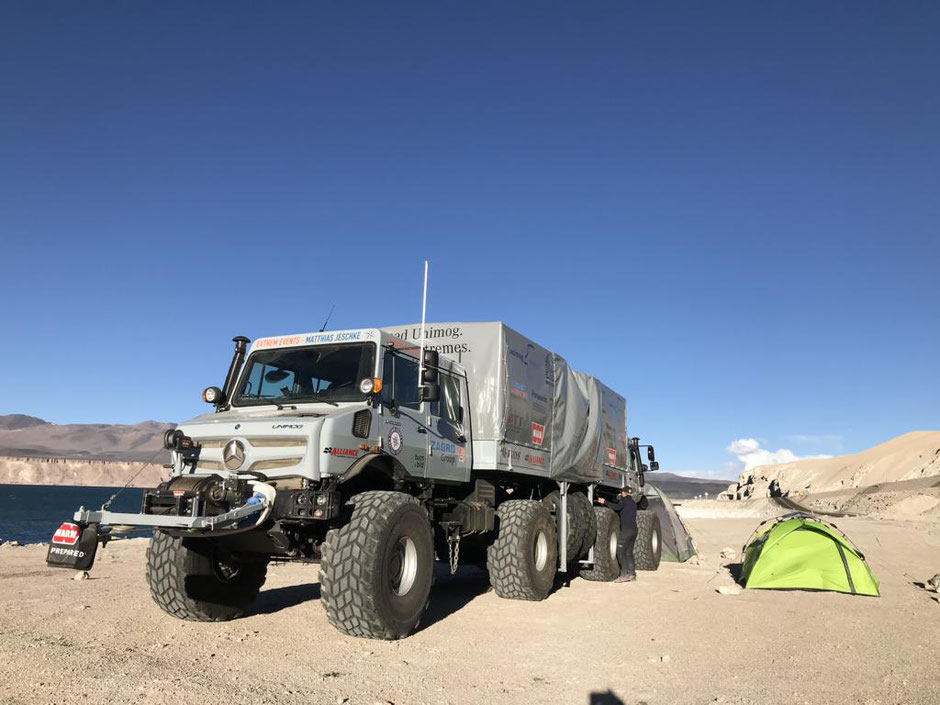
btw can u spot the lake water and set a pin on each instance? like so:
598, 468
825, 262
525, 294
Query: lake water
32, 513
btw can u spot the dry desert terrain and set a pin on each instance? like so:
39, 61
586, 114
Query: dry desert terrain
669, 638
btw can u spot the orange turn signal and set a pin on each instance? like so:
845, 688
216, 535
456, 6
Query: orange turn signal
376, 385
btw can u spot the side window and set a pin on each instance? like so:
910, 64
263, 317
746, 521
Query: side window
400, 381
449, 405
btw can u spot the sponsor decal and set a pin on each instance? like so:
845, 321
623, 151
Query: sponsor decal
341, 452
518, 390
420, 460
67, 552
461, 455
443, 447
534, 459
288, 425
395, 441
612, 475
538, 433
67, 534
310, 339
612, 456
179, 493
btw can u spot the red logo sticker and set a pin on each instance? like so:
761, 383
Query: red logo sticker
538, 433
612, 456
67, 534
461, 454
179, 493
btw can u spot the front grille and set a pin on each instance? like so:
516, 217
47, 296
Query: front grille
274, 463
277, 442
362, 423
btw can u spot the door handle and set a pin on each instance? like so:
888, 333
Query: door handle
422, 430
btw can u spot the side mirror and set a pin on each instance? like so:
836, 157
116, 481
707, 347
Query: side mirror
651, 454
430, 392
654, 466
432, 360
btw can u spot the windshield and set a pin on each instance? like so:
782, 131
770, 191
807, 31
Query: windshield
329, 373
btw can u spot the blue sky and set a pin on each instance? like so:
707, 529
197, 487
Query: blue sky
727, 211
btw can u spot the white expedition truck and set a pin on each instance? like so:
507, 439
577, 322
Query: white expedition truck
343, 448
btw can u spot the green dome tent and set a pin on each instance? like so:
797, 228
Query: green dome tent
802, 552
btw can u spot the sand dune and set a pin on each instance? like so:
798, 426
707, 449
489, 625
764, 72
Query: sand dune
912, 456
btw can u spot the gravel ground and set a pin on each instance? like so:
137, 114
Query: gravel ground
668, 638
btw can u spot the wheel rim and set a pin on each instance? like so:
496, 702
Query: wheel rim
224, 571
654, 542
613, 545
541, 550
403, 566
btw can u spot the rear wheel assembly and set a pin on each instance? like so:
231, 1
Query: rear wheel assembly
648, 546
606, 567
522, 561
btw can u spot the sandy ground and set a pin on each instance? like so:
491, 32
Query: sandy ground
669, 638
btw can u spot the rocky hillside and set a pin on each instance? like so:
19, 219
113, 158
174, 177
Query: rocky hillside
912, 456
31, 437
91, 473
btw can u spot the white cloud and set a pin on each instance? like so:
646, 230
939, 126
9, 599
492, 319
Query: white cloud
750, 454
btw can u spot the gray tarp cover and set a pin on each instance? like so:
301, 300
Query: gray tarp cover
529, 410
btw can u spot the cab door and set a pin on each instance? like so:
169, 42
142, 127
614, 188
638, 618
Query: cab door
448, 444
403, 428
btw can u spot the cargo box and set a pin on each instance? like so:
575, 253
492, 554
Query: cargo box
529, 410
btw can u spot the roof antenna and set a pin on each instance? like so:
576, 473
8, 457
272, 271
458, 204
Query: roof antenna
328, 316
424, 307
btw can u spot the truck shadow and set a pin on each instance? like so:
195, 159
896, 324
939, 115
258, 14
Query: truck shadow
452, 592
278, 599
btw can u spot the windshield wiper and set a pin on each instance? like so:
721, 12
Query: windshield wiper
312, 397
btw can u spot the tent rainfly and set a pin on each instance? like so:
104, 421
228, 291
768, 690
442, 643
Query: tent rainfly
802, 552
677, 545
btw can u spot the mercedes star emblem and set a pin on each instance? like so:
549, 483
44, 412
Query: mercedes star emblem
233, 455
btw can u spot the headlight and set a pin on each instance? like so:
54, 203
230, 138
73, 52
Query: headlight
321, 499
366, 385
212, 395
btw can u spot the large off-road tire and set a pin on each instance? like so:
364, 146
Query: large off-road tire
523, 559
189, 580
607, 537
376, 571
649, 544
585, 513
576, 524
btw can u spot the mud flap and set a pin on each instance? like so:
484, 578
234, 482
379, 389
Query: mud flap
73, 545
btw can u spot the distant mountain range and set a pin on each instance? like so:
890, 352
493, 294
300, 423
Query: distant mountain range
681, 487
32, 437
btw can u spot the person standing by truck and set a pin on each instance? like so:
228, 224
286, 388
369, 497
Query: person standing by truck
626, 508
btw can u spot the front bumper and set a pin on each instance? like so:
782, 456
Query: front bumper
118, 520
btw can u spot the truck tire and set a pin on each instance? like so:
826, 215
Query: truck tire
587, 520
648, 546
606, 567
189, 581
523, 559
576, 524
376, 571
